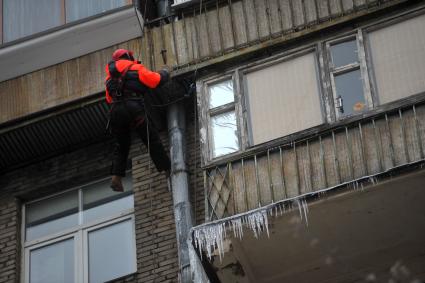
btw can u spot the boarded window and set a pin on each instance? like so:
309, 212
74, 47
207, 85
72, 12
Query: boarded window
283, 98
398, 58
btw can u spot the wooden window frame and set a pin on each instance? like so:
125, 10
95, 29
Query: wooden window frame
360, 65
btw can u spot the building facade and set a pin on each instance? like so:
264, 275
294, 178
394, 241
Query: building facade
306, 132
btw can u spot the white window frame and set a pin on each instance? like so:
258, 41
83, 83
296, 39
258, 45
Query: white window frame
78, 232
229, 107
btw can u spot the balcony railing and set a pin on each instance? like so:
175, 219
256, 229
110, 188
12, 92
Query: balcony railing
337, 156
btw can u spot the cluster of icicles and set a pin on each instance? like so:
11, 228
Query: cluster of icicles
210, 236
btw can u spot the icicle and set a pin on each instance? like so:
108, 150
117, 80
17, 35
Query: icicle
305, 208
299, 208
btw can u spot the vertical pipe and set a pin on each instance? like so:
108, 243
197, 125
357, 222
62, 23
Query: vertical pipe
180, 186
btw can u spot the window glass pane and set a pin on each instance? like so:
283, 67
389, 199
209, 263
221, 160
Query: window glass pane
111, 252
350, 87
344, 53
398, 58
221, 94
51, 215
53, 263
283, 98
79, 9
224, 134
99, 200
26, 17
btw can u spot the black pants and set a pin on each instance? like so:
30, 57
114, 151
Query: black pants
128, 116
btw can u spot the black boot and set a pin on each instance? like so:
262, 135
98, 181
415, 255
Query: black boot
116, 183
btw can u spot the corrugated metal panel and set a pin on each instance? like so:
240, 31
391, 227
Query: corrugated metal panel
52, 135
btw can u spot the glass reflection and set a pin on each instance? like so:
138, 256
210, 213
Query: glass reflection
100, 201
349, 86
51, 215
111, 252
53, 263
344, 53
224, 134
221, 94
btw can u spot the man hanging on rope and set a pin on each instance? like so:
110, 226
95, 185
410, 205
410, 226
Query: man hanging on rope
126, 82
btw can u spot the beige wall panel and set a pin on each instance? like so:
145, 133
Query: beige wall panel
347, 5
335, 7
387, 150
252, 20
412, 140
264, 179
239, 192
304, 168
181, 41
398, 59
310, 11
329, 160
205, 37
287, 17
192, 32
275, 21
286, 93
298, 13
420, 114
343, 155
240, 23
144, 55
262, 18
355, 142
213, 31
251, 184
290, 169
323, 9
227, 28
277, 175
371, 148
317, 169
157, 44
169, 46
397, 139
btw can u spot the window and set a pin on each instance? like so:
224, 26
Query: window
350, 85
222, 118
71, 236
21, 18
398, 59
282, 98
301, 89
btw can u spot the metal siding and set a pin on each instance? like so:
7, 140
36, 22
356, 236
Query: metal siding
52, 135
